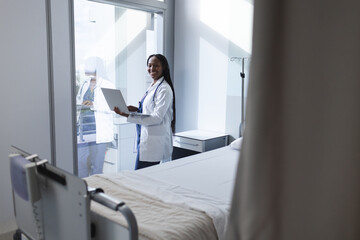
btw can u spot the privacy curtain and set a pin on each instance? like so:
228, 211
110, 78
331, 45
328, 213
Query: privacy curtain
299, 170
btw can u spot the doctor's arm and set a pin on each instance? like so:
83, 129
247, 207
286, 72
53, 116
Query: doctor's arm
130, 108
163, 100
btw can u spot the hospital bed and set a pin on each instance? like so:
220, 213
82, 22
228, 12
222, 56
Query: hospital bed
183, 199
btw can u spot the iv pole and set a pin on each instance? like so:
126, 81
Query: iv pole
242, 75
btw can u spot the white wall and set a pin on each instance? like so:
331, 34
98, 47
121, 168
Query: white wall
36, 66
24, 96
208, 86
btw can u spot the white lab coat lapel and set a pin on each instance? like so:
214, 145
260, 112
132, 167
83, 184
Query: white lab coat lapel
148, 105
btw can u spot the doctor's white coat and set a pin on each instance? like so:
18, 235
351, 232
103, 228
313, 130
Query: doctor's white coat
156, 134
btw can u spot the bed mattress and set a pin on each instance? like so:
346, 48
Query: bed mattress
183, 199
211, 173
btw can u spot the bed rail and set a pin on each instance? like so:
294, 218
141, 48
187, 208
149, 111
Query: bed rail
98, 195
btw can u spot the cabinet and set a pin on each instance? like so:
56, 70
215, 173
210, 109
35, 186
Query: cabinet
196, 141
123, 155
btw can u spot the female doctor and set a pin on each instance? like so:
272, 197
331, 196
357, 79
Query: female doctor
154, 130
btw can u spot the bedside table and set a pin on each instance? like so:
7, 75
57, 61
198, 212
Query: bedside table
196, 141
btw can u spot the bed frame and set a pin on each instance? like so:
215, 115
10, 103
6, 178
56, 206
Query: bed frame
50, 203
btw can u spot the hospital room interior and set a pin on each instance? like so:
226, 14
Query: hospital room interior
266, 139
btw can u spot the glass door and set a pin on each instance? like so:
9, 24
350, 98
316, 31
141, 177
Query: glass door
111, 47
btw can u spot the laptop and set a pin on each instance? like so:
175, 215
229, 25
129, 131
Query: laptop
114, 98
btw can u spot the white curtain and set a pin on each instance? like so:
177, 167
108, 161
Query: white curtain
299, 171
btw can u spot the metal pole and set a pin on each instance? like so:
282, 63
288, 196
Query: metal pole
242, 75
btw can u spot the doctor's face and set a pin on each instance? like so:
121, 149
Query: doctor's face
155, 68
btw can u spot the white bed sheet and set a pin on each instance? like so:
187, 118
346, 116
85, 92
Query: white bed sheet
163, 211
203, 182
211, 173
210, 177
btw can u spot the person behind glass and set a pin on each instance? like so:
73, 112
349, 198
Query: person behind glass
95, 123
154, 131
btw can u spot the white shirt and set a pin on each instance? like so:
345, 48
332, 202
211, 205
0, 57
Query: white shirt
156, 134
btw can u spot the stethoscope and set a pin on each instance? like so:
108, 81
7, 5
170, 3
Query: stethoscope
153, 100
157, 89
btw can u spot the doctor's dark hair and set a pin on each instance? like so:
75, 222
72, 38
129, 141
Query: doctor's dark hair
166, 75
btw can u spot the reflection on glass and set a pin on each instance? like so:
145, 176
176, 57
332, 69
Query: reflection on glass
111, 48
95, 119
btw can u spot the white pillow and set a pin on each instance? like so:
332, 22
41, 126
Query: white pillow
236, 144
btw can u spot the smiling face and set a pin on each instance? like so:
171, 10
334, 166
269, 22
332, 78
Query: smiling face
155, 68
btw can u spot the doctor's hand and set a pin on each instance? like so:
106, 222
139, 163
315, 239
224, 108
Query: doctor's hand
117, 110
87, 103
132, 108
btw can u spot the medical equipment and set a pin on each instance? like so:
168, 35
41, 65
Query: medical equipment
50, 203
242, 75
